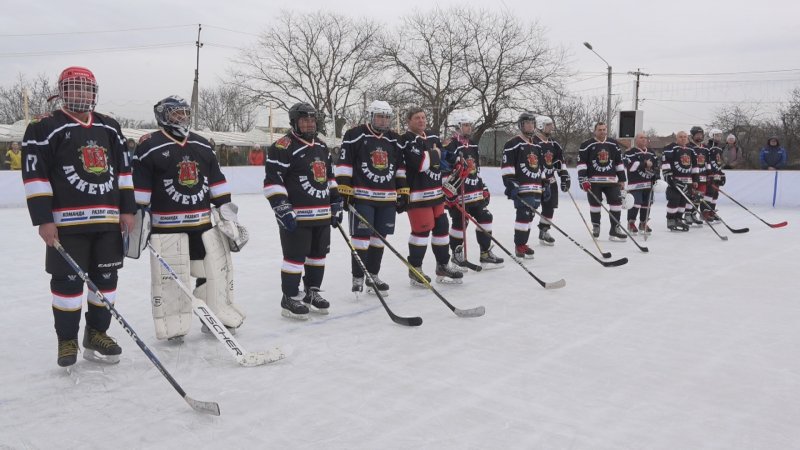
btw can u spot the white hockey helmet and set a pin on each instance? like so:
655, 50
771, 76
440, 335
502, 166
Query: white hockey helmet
628, 201
459, 119
660, 186
380, 108
542, 121
715, 134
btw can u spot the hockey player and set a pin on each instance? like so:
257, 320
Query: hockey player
523, 178
465, 158
601, 172
642, 171
716, 176
425, 203
79, 192
701, 160
177, 176
370, 174
552, 165
680, 172
301, 189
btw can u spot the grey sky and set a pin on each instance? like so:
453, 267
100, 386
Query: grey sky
660, 38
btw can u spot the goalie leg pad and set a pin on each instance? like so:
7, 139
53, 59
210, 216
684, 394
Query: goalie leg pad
217, 269
172, 308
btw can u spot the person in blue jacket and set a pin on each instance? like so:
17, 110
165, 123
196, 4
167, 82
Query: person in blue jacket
773, 156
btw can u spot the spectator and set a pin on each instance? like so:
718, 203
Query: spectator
731, 154
773, 156
130, 146
14, 157
256, 157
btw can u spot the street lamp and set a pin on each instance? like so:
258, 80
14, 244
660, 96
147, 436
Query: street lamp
608, 95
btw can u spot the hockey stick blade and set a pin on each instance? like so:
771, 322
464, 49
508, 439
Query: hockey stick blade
555, 284
616, 263
244, 358
474, 312
253, 359
203, 407
777, 225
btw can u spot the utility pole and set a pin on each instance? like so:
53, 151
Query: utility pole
608, 94
637, 74
195, 105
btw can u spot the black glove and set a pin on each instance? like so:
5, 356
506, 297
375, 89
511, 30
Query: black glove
402, 200
285, 215
512, 189
565, 180
337, 213
346, 193
486, 197
721, 181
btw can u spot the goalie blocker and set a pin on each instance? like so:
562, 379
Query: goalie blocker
203, 255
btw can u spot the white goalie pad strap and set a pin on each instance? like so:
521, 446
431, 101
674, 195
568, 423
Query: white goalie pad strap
217, 269
172, 308
136, 239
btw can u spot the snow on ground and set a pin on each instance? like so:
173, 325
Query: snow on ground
693, 345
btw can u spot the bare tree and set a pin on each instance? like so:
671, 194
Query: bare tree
506, 62
226, 108
321, 58
425, 54
11, 98
744, 122
574, 117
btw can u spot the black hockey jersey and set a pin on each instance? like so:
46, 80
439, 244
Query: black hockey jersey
552, 158
639, 176
179, 180
600, 162
423, 172
76, 175
302, 173
372, 165
715, 161
701, 160
522, 162
679, 162
468, 151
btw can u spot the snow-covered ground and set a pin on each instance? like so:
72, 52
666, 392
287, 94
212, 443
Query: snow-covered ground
692, 346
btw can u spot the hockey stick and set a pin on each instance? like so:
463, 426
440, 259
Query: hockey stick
474, 312
448, 186
649, 208
204, 313
547, 285
732, 230
688, 200
594, 239
407, 321
642, 248
615, 263
771, 225
203, 407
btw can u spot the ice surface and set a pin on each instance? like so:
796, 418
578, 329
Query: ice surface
692, 346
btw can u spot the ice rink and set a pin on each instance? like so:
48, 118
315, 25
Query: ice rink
692, 346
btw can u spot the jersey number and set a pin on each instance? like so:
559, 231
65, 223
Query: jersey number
30, 163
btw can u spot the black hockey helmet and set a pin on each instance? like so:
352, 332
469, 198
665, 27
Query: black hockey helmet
525, 117
299, 110
174, 114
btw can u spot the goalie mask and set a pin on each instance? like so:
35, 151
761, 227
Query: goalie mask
174, 115
77, 89
380, 115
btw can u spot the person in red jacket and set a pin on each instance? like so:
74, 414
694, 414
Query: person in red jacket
256, 157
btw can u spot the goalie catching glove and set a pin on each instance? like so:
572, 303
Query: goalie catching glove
227, 217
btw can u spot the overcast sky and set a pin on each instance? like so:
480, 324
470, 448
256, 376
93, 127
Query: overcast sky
676, 37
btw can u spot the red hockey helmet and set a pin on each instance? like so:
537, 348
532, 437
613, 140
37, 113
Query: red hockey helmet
77, 88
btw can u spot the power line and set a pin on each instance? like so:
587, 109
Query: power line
65, 33
723, 73
718, 101
94, 50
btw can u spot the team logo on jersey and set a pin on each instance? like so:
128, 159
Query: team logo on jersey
320, 171
701, 160
686, 160
380, 159
718, 158
94, 158
548, 158
283, 142
188, 175
533, 160
471, 166
602, 156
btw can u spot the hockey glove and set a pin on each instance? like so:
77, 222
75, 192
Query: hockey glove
486, 197
585, 185
402, 199
512, 189
229, 226
337, 213
721, 181
565, 180
346, 192
285, 215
